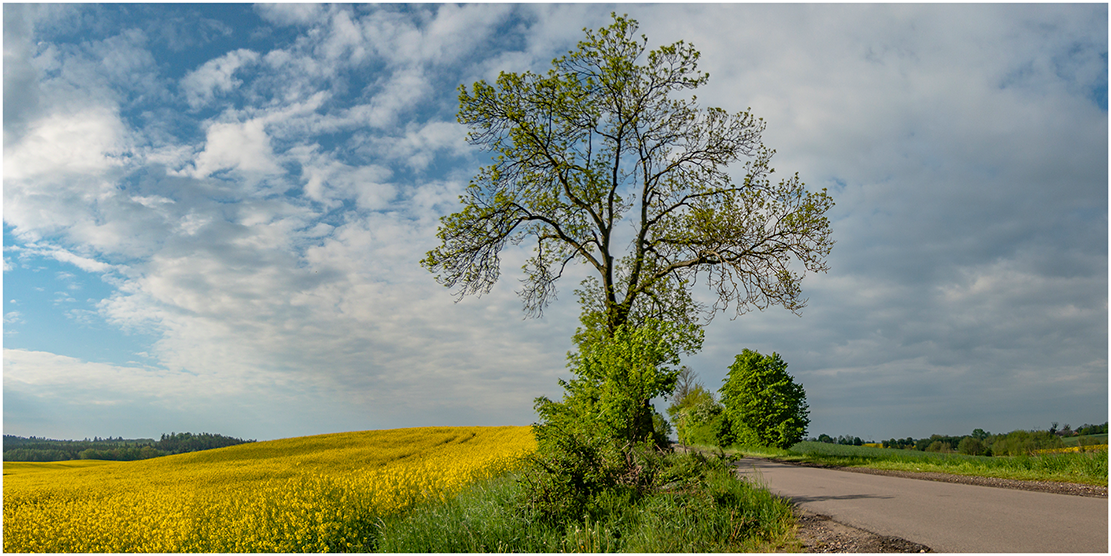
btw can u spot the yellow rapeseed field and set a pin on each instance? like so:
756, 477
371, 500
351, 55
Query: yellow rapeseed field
307, 494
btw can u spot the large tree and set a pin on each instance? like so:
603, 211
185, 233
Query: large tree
610, 134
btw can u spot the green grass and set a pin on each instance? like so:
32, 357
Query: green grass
722, 513
1090, 439
1084, 467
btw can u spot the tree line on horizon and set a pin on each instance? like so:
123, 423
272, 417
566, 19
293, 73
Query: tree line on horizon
981, 442
18, 448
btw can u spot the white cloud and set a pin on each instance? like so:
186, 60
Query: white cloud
422, 143
330, 182
84, 263
449, 34
240, 146
290, 13
216, 77
90, 141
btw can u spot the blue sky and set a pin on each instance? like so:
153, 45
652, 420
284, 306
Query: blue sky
213, 214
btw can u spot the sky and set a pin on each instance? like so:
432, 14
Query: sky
214, 214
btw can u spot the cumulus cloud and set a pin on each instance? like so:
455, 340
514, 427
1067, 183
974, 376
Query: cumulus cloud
86, 142
240, 146
216, 77
421, 144
330, 182
290, 14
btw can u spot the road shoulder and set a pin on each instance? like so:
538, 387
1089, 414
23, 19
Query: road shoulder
820, 533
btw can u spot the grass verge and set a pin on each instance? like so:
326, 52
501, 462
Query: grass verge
1083, 467
720, 512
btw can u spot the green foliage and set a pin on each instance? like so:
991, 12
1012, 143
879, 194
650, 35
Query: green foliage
938, 446
700, 420
765, 405
1024, 442
692, 412
599, 141
616, 379
972, 446
1087, 429
661, 429
724, 429
696, 504
602, 435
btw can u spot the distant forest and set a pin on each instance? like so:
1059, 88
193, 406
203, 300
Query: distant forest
981, 442
18, 448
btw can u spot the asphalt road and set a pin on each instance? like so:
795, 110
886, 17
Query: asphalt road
946, 517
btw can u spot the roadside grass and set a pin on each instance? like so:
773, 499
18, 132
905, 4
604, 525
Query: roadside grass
722, 512
1077, 467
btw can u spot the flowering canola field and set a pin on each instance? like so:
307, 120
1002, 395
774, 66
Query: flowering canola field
313, 493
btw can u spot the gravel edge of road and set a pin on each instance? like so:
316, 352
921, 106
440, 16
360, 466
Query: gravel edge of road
820, 533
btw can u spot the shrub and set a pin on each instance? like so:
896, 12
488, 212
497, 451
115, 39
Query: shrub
696, 504
1020, 442
697, 417
939, 446
971, 446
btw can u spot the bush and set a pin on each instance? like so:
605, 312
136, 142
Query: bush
568, 478
971, 446
695, 504
1018, 443
692, 413
938, 446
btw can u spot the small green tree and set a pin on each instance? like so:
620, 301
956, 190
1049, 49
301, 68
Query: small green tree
616, 379
972, 446
766, 406
692, 413
604, 433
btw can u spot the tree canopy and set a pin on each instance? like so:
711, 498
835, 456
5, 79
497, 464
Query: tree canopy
610, 134
765, 405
